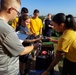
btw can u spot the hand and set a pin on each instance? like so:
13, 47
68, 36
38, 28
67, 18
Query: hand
45, 73
50, 26
34, 34
40, 36
50, 39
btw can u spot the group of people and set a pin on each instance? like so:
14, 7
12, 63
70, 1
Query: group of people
33, 24
11, 47
24, 24
27, 25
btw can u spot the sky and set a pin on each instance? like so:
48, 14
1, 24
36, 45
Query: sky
50, 6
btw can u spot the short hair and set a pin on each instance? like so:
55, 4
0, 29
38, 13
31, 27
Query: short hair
24, 9
5, 4
36, 11
49, 14
25, 17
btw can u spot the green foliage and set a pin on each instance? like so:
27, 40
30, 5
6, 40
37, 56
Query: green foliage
10, 22
42, 17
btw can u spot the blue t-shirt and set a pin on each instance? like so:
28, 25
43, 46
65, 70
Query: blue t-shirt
24, 29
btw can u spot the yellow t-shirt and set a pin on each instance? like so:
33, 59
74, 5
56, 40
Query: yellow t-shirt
15, 22
67, 43
35, 25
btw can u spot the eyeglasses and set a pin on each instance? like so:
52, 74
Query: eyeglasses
15, 10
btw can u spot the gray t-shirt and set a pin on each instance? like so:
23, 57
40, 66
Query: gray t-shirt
10, 48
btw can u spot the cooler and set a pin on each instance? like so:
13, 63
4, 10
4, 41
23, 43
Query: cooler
43, 60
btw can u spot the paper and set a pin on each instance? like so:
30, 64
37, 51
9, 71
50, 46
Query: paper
22, 36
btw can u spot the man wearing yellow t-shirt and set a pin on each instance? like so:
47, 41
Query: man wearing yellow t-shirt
36, 24
17, 21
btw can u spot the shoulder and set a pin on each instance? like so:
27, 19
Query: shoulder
5, 27
68, 35
16, 19
31, 19
39, 18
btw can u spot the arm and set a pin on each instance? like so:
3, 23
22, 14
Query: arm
41, 26
40, 31
27, 50
50, 26
52, 40
14, 46
32, 40
59, 55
